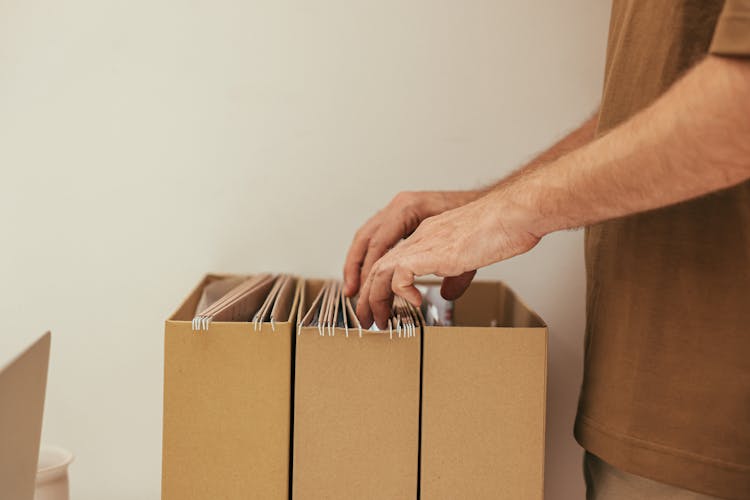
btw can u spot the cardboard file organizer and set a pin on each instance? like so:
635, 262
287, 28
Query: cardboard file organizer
356, 413
291, 410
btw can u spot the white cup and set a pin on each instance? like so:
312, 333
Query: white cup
52, 474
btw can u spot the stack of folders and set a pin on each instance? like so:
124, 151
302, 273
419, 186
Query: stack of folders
331, 309
261, 298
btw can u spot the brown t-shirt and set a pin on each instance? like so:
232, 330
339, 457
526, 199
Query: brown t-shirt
666, 391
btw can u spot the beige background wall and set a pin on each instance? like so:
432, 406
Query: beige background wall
143, 143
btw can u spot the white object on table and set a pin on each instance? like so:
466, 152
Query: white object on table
52, 474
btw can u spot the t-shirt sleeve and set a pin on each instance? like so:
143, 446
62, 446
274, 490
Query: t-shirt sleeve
732, 33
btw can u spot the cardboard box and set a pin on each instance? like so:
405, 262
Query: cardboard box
483, 400
453, 412
356, 413
227, 407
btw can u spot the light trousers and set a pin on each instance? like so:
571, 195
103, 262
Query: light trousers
605, 482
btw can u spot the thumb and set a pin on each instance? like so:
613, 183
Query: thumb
454, 286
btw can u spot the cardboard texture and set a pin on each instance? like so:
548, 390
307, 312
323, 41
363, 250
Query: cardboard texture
356, 413
227, 406
450, 412
483, 400
23, 383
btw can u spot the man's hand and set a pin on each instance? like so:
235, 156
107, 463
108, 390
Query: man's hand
691, 141
452, 245
407, 210
396, 221
464, 252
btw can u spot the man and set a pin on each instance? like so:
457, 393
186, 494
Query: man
659, 180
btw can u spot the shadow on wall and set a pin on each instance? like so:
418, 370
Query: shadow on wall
566, 320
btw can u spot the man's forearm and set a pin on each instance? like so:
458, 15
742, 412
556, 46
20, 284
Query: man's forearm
693, 140
579, 137
407, 211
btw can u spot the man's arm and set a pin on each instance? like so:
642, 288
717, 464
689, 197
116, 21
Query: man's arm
693, 140
408, 209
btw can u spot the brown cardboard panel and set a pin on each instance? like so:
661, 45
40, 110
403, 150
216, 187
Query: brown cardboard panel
241, 303
227, 409
23, 382
356, 431
186, 310
483, 401
283, 306
486, 303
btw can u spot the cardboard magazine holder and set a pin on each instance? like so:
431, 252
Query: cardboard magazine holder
416, 411
483, 399
356, 411
227, 404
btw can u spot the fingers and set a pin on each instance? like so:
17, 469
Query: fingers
403, 286
387, 235
390, 275
381, 297
402, 216
395, 275
364, 313
446, 245
376, 298
354, 259
453, 287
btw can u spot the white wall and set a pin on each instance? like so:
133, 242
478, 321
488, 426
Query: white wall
144, 143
